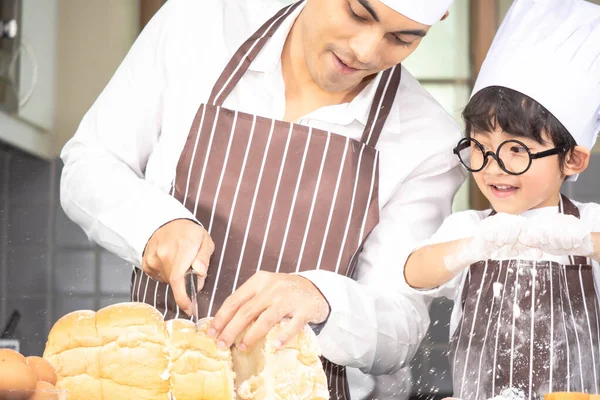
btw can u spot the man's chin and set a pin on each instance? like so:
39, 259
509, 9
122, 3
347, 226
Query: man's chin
336, 83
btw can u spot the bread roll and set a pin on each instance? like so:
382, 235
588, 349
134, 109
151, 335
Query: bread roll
132, 357
566, 396
73, 346
116, 353
127, 351
292, 372
198, 370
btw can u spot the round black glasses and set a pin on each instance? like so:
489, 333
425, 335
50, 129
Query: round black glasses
512, 156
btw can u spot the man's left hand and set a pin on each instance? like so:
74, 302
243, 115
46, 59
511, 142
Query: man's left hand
263, 301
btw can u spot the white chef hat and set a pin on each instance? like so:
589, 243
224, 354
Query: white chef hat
426, 12
549, 50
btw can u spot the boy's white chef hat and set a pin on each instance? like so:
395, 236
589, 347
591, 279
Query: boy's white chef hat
426, 12
549, 50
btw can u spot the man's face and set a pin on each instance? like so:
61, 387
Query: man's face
347, 40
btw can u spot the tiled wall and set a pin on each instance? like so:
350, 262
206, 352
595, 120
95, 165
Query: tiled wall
47, 266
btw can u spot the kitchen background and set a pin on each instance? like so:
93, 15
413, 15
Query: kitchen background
63, 55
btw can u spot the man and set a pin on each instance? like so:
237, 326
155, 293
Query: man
189, 158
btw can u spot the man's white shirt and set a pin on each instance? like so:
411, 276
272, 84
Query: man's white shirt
120, 164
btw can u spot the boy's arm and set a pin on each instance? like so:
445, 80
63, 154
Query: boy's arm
435, 264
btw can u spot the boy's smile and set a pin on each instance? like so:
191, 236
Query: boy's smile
502, 190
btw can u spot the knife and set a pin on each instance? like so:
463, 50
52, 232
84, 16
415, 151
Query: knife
191, 285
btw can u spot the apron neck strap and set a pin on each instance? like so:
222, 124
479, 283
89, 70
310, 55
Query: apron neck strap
243, 57
566, 206
382, 104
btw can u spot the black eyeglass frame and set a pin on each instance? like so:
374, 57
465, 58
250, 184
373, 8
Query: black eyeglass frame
532, 156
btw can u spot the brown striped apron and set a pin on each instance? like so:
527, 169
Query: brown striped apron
533, 326
274, 196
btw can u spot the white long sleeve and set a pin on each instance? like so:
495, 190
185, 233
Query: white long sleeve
103, 181
376, 323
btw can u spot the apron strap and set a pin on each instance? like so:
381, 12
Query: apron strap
243, 57
382, 104
566, 206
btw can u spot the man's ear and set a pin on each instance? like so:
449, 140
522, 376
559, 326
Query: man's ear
445, 15
577, 161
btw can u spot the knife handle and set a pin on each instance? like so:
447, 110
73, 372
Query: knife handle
191, 283
191, 287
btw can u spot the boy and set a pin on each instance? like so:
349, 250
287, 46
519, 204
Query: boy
524, 276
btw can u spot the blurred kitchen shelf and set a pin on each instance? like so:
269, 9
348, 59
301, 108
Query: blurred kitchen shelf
29, 124
26, 136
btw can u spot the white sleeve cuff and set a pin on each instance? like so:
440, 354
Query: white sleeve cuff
124, 226
448, 289
328, 284
341, 338
163, 209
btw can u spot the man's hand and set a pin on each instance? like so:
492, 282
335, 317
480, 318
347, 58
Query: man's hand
265, 299
560, 235
170, 252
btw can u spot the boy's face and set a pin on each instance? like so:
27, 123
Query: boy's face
538, 187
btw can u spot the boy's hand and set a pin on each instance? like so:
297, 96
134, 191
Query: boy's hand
500, 232
560, 235
497, 235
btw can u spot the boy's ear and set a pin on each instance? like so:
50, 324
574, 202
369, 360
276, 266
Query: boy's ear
577, 161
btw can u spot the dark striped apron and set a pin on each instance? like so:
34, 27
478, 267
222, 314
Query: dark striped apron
274, 196
528, 325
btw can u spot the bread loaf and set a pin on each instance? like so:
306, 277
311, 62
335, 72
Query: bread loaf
197, 369
293, 372
127, 351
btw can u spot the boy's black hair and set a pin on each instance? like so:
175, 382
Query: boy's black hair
516, 114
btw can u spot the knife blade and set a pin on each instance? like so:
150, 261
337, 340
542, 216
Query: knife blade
191, 288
